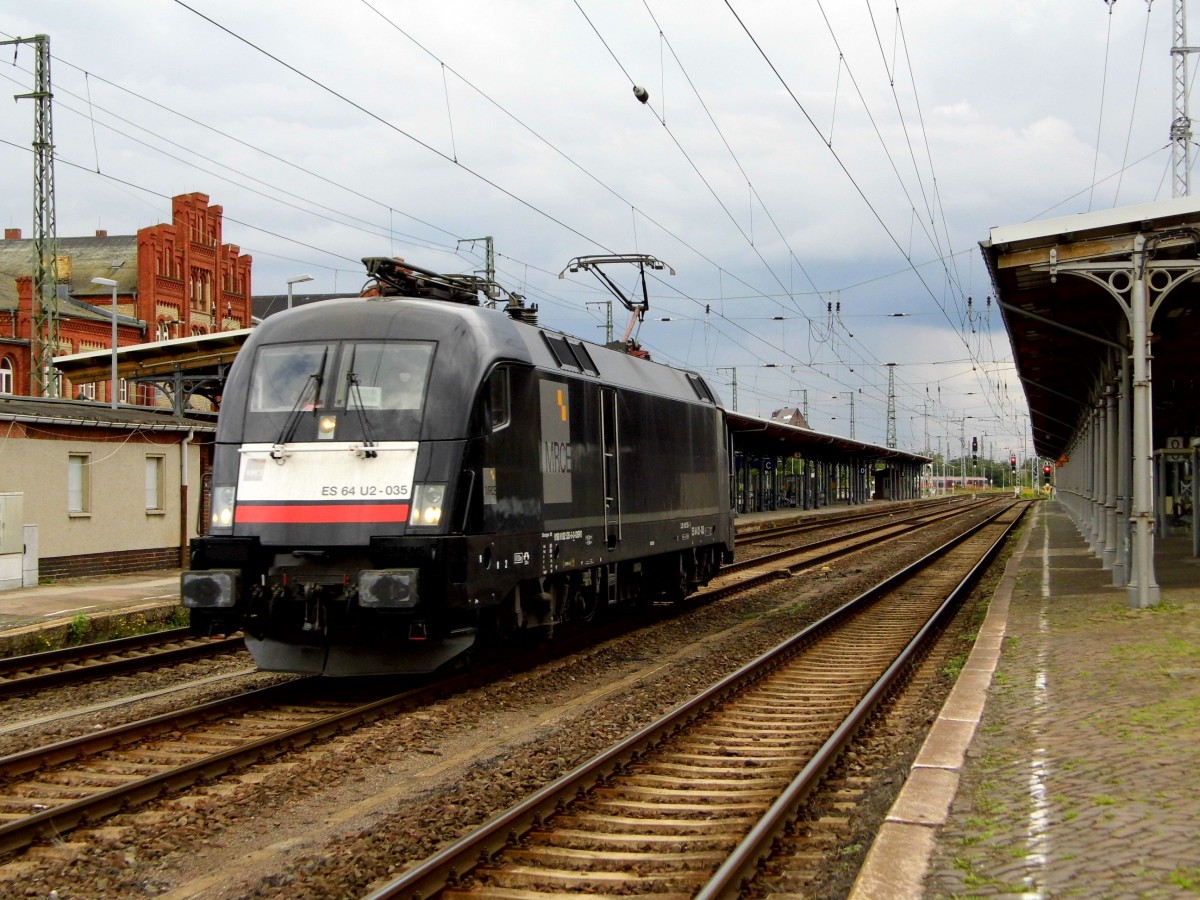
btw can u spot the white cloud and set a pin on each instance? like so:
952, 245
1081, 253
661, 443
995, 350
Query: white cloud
1001, 125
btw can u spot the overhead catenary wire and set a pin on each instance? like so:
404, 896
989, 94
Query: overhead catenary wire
756, 200
842, 165
1103, 91
1133, 106
406, 134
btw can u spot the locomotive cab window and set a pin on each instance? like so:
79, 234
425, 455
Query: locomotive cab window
493, 404
499, 411
383, 375
338, 391
289, 376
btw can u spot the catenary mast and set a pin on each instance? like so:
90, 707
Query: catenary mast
44, 334
1181, 123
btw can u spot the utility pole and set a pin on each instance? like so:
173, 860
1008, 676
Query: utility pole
890, 440
44, 337
942, 459
608, 325
925, 407
732, 369
962, 449
1181, 123
489, 267
851, 393
804, 393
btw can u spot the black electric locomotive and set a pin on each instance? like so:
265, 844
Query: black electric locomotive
394, 475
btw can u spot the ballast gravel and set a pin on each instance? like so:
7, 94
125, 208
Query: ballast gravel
335, 819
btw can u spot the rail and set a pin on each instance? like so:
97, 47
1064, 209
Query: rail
485, 852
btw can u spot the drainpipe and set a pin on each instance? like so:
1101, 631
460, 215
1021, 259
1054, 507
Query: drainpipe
183, 498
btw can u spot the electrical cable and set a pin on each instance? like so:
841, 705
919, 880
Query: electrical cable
1133, 107
1103, 89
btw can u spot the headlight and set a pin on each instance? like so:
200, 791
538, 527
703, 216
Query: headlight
326, 426
223, 498
427, 505
209, 588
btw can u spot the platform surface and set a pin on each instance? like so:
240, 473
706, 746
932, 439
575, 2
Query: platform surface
1067, 761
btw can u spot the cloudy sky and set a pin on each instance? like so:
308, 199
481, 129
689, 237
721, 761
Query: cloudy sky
817, 174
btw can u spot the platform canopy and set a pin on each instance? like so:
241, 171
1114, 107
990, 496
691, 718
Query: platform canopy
770, 437
179, 367
1064, 288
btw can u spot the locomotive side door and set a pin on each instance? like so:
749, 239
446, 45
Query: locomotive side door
610, 444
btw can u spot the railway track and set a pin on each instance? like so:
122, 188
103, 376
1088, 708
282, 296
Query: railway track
823, 522
770, 565
91, 662
49, 790
692, 804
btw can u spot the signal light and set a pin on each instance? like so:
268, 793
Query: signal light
1046, 469
1012, 461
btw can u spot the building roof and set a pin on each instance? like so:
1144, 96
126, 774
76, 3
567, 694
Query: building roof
198, 354
1065, 327
88, 414
263, 305
85, 258
790, 415
1159, 214
771, 437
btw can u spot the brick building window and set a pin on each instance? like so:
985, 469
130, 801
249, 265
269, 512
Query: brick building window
6, 376
79, 500
154, 483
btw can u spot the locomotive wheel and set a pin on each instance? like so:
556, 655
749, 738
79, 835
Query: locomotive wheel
500, 621
586, 599
674, 580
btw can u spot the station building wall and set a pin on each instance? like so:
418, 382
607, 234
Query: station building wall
105, 499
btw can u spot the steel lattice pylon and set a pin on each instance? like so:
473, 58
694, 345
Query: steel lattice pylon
891, 407
44, 337
1181, 123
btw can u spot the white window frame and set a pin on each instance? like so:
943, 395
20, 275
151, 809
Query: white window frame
155, 467
6, 376
79, 484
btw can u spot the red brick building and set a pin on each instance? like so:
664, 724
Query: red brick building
173, 280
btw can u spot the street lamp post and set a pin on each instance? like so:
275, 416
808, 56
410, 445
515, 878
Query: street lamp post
296, 279
111, 283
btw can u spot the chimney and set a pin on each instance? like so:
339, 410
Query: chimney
12, 234
101, 232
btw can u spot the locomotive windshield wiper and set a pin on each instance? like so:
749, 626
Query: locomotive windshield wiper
313, 384
354, 392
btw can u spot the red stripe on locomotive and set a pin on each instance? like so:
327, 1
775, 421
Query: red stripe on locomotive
321, 513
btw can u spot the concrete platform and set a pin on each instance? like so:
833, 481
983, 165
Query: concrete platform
1065, 762
26, 612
